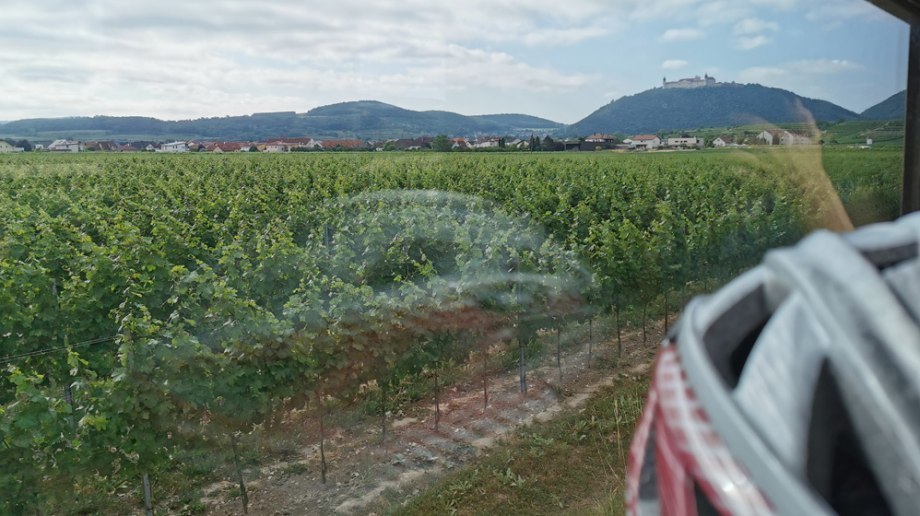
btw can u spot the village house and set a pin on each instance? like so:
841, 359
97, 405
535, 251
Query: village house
221, 147
276, 147
644, 142
412, 144
106, 146
66, 146
570, 144
724, 141
783, 138
487, 143
350, 145
597, 142
768, 137
6, 147
292, 144
686, 141
459, 144
173, 147
601, 138
795, 138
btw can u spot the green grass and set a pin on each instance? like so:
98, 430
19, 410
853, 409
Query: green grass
573, 464
867, 181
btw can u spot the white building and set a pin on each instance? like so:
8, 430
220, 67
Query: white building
276, 147
768, 137
600, 138
784, 138
6, 147
690, 83
644, 141
723, 141
66, 146
689, 141
789, 138
173, 147
289, 144
491, 143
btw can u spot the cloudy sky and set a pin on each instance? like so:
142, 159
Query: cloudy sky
557, 59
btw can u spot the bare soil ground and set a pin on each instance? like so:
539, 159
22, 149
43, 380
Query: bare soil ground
370, 474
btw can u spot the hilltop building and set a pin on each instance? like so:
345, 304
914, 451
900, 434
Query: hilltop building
696, 82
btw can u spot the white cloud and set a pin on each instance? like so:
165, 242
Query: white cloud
673, 35
674, 64
188, 59
178, 60
817, 78
749, 26
763, 74
798, 70
752, 42
824, 66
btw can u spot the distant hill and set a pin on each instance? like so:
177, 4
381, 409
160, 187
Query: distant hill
362, 119
372, 118
522, 121
892, 108
718, 106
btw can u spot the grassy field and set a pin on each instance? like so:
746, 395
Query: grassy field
855, 132
574, 464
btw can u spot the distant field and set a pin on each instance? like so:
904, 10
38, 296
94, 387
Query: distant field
170, 315
856, 132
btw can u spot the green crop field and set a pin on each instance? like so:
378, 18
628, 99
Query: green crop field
155, 308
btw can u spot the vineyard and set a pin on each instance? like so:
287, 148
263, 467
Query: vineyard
154, 309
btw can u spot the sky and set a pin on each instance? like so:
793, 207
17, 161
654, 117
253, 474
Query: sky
556, 59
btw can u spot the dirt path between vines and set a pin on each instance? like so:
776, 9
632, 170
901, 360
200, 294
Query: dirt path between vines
367, 476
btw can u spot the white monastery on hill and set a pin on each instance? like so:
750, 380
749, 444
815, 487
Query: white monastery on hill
695, 82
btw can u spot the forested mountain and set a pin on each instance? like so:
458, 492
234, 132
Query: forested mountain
362, 119
717, 106
892, 108
371, 118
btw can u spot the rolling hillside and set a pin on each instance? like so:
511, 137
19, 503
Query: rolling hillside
362, 119
892, 108
652, 111
720, 106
